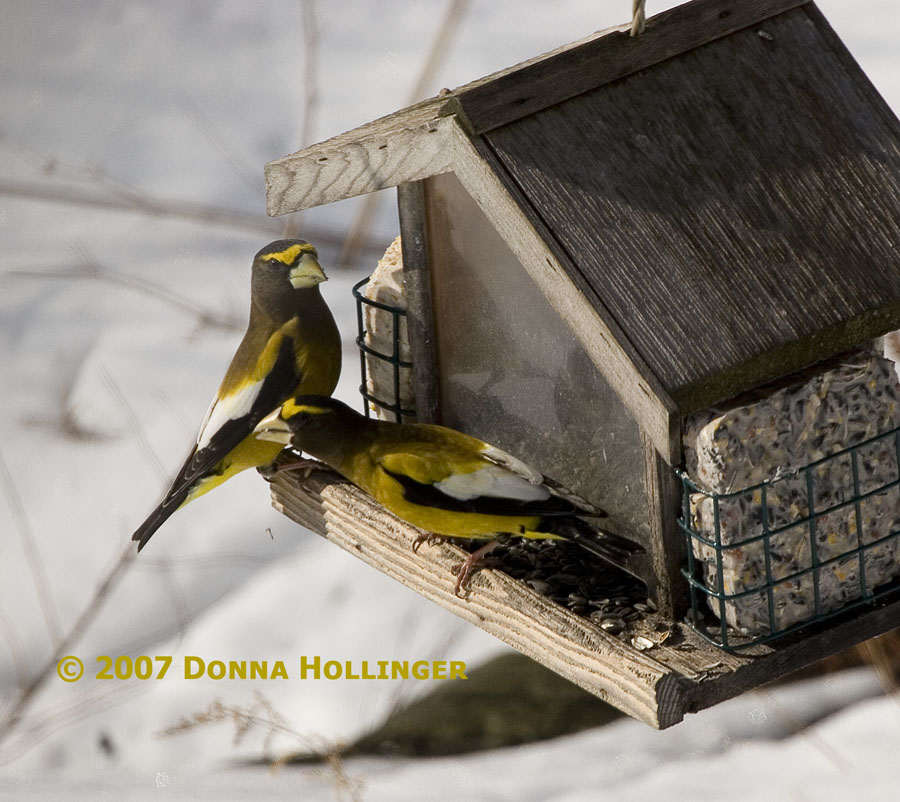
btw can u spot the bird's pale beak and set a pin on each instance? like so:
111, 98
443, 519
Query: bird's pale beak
273, 429
306, 273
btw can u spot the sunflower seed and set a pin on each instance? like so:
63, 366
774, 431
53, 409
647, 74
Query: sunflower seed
539, 586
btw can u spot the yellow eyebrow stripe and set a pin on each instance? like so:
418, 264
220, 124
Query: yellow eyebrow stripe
290, 409
289, 255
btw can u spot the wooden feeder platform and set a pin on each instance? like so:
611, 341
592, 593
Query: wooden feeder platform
656, 685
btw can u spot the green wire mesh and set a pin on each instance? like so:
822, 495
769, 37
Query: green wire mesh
799, 581
393, 359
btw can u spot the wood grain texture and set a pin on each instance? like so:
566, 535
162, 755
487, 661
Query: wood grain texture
668, 550
734, 229
527, 88
405, 146
573, 299
684, 674
419, 317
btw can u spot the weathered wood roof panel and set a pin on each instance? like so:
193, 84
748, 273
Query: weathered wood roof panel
736, 209
405, 146
578, 67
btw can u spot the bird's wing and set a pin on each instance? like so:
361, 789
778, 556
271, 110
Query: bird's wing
523, 469
512, 464
438, 478
233, 415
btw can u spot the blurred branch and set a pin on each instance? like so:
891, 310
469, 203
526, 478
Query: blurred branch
310, 71
291, 225
220, 142
263, 717
13, 717
883, 653
359, 230
92, 270
29, 545
801, 728
139, 202
179, 603
134, 424
15, 650
142, 203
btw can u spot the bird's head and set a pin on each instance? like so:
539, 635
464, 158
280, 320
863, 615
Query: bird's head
303, 419
288, 261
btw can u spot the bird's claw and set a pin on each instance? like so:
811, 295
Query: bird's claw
470, 566
304, 465
267, 472
429, 538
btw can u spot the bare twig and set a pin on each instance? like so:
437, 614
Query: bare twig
12, 718
310, 71
143, 203
14, 646
218, 140
90, 269
109, 581
799, 727
359, 230
179, 604
84, 699
291, 225
262, 716
134, 424
882, 653
32, 553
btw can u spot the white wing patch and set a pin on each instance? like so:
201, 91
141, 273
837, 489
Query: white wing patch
493, 481
227, 408
513, 464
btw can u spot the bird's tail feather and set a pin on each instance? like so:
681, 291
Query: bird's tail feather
611, 547
158, 517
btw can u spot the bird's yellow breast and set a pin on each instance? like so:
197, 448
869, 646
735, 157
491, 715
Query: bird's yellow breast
249, 453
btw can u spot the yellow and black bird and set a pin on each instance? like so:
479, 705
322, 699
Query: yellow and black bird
439, 479
292, 345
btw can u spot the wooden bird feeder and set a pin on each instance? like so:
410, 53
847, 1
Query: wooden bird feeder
600, 245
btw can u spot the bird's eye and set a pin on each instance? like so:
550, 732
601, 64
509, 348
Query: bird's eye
273, 262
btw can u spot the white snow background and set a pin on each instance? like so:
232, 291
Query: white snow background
110, 352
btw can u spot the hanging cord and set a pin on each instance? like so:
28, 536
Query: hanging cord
638, 20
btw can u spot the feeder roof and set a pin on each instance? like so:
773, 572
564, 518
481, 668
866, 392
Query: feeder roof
724, 190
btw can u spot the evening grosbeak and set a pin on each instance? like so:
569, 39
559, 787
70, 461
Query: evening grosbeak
439, 479
292, 345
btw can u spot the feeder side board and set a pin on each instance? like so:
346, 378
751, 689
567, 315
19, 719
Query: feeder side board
685, 674
668, 544
419, 317
526, 234
798, 651
405, 146
552, 78
512, 373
